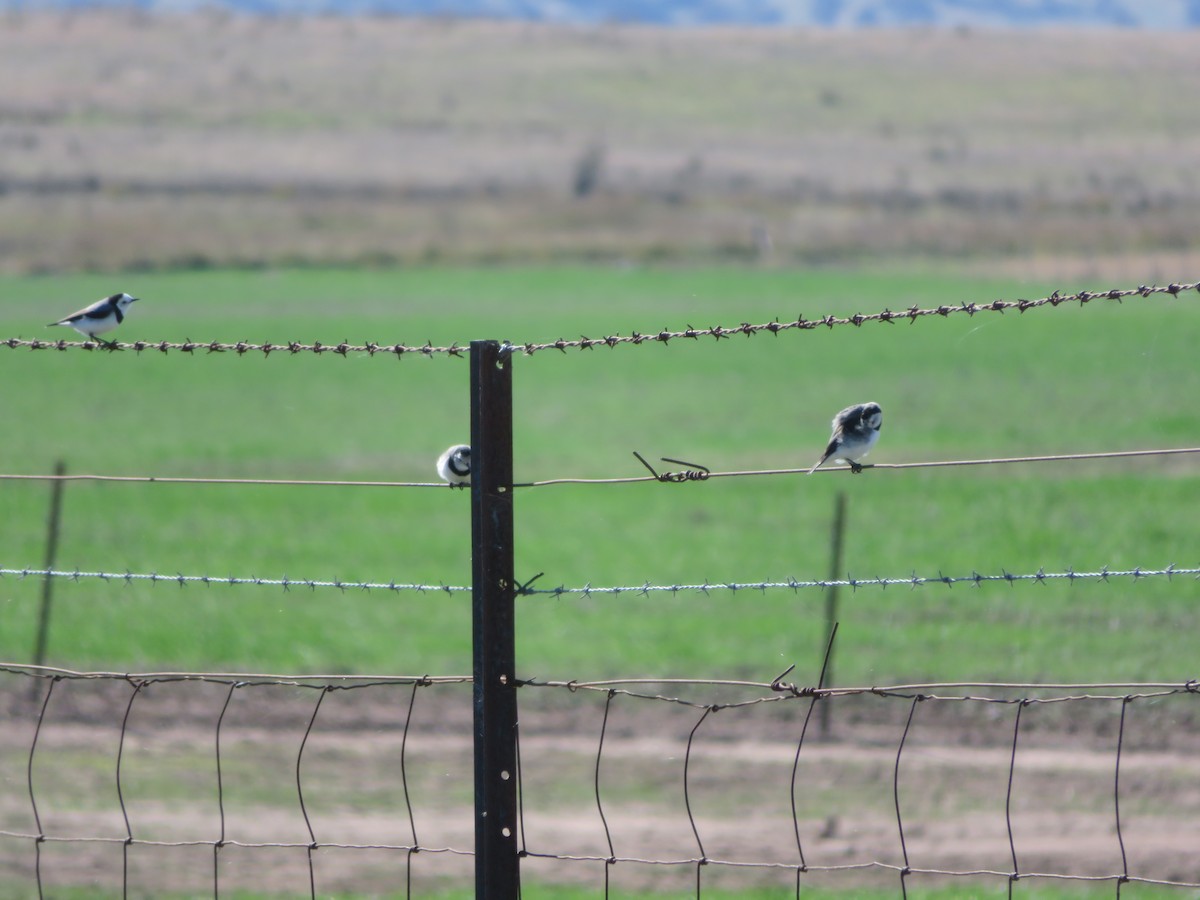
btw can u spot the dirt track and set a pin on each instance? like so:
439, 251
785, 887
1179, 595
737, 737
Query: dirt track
952, 789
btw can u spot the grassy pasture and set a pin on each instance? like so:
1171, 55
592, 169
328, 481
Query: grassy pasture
1107, 377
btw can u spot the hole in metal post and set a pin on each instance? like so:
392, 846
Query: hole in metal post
504, 776
506, 831
504, 679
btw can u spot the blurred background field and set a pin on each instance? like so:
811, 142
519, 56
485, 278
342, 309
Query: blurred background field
132, 140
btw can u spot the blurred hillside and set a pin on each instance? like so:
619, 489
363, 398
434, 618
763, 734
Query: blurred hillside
823, 13
130, 139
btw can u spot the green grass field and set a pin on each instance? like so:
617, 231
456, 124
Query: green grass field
1105, 377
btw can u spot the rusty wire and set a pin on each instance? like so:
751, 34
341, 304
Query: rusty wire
344, 348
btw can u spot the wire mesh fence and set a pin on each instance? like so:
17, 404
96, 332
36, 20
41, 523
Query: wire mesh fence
197, 783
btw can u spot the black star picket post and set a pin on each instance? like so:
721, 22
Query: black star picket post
497, 862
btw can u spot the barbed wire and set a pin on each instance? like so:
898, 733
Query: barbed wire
1041, 576
975, 578
695, 472
241, 348
233, 580
344, 348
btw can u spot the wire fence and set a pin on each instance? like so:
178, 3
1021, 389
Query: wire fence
314, 784
691, 473
664, 336
728, 790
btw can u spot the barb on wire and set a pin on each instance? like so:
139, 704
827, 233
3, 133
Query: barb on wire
665, 336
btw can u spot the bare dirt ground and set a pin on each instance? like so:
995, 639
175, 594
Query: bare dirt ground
130, 140
360, 773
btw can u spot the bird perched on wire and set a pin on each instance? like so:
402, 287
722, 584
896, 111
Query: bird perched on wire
103, 315
454, 465
855, 431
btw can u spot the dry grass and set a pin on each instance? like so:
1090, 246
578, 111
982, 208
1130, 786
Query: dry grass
210, 139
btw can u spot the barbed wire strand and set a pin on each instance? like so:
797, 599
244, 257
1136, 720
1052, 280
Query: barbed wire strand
231, 580
977, 579
664, 477
399, 350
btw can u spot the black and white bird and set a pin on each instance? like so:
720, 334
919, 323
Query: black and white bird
855, 431
454, 465
102, 316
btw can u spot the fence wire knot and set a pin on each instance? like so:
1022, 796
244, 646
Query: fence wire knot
694, 471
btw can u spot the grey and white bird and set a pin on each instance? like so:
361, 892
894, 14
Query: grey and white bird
454, 465
102, 316
855, 431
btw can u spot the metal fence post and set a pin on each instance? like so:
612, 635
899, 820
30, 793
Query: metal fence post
497, 864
